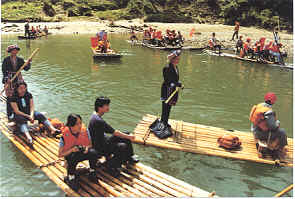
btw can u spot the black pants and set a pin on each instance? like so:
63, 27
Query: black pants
277, 134
166, 108
236, 33
104, 49
74, 158
120, 148
27, 32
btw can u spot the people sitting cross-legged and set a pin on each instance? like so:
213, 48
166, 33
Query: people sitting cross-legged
266, 127
117, 148
21, 109
75, 145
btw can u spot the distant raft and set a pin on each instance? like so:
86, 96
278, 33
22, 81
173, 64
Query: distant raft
196, 138
233, 56
140, 43
137, 181
109, 55
32, 37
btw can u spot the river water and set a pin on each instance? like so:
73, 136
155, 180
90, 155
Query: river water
65, 79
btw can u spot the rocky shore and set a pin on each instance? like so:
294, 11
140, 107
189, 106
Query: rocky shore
199, 39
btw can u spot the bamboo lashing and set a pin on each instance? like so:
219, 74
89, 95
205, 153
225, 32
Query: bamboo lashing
21, 68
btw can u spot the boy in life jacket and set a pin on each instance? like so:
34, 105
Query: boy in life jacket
239, 45
213, 43
247, 50
266, 127
275, 51
75, 145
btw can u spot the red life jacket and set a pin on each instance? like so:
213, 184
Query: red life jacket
70, 140
275, 48
257, 116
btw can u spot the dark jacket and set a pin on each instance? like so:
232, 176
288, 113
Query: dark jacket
171, 80
7, 68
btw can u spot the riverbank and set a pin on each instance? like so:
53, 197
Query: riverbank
199, 39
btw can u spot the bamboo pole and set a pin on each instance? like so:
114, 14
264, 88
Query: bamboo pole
283, 192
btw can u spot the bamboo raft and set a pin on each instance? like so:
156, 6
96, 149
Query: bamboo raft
32, 37
233, 56
112, 55
137, 181
196, 138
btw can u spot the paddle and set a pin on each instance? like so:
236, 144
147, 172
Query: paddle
172, 95
276, 41
21, 68
289, 188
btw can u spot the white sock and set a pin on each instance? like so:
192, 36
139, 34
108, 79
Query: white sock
29, 137
91, 170
71, 177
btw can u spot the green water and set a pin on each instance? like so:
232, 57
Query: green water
65, 79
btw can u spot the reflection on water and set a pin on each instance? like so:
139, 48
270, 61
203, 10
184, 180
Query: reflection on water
64, 78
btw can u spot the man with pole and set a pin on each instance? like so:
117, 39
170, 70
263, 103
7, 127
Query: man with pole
11, 68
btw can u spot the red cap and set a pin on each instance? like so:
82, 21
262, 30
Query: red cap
271, 97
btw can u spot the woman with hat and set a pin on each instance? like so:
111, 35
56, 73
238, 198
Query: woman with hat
171, 81
10, 65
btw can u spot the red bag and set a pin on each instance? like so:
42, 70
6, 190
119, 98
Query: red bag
229, 141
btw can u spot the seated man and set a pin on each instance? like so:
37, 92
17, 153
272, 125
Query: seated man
117, 148
266, 127
75, 145
22, 110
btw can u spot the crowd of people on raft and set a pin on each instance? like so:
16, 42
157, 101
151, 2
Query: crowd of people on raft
35, 31
260, 50
77, 143
103, 44
155, 37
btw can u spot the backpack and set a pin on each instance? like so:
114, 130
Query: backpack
229, 142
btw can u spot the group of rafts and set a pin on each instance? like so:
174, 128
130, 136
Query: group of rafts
260, 52
188, 137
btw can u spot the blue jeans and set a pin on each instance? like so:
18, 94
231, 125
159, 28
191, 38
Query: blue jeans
22, 122
276, 54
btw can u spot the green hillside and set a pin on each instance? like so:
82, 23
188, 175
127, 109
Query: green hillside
261, 13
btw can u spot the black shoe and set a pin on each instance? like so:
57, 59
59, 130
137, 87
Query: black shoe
74, 184
57, 132
92, 176
133, 160
115, 172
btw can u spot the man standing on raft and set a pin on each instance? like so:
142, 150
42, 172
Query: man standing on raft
169, 95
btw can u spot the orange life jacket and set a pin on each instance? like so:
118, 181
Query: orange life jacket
229, 141
246, 46
211, 43
70, 140
257, 116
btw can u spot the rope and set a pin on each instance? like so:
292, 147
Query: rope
50, 163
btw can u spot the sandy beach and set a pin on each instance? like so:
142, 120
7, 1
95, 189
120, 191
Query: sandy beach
200, 38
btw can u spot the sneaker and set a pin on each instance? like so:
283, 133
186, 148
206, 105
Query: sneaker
92, 176
74, 184
57, 132
115, 172
133, 159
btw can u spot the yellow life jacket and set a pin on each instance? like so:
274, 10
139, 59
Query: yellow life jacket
257, 116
